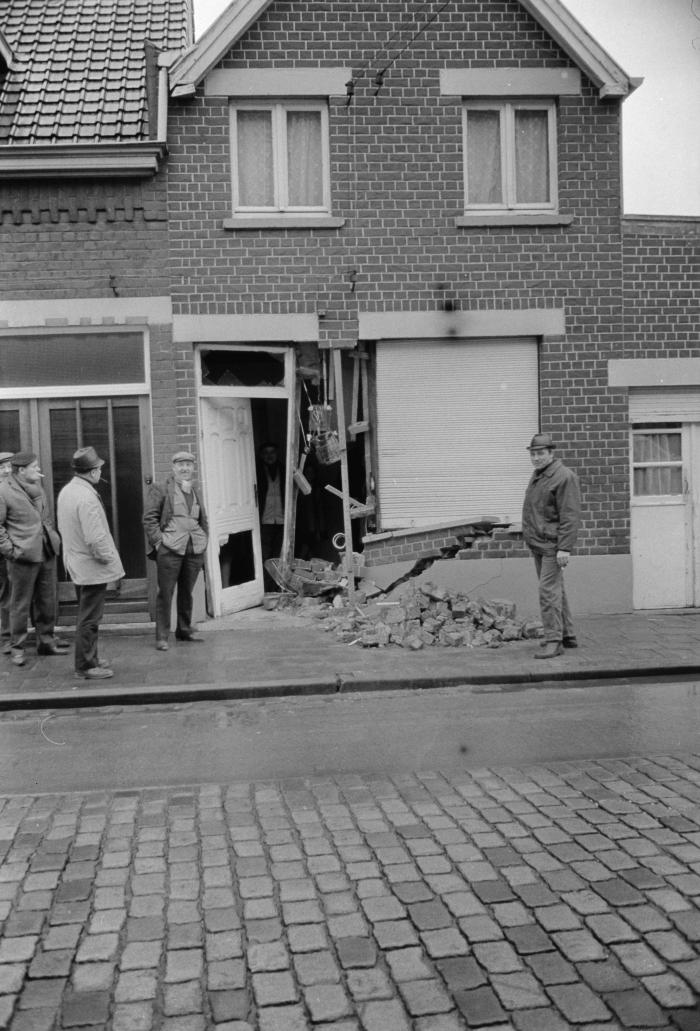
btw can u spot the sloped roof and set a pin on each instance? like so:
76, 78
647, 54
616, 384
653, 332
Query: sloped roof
610, 79
79, 74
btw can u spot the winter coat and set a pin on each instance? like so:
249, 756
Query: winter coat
159, 513
89, 552
552, 509
25, 524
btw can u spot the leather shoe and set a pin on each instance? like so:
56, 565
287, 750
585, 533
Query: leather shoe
549, 650
53, 649
6, 648
569, 642
162, 646
189, 637
95, 673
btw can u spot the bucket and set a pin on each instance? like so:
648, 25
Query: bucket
328, 448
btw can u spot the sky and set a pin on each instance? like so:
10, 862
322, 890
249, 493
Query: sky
658, 40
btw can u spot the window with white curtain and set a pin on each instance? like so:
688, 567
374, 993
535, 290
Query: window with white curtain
510, 155
657, 461
280, 157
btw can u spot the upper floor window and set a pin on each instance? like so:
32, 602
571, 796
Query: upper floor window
510, 156
280, 158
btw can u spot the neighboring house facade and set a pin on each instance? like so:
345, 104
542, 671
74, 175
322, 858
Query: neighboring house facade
85, 310
404, 221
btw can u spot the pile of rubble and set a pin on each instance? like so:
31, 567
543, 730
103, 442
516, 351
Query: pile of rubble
416, 616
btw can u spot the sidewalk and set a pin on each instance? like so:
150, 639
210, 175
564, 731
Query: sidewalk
260, 653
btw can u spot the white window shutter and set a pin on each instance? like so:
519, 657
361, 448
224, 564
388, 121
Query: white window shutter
454, 418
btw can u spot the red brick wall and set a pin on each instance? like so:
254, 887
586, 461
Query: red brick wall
83, 239
397, 180
662, 281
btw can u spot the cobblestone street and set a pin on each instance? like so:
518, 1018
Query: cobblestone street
534, 899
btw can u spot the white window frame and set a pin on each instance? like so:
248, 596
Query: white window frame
653, 430
506, 110
279, 110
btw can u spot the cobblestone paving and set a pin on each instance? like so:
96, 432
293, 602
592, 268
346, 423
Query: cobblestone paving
534, 899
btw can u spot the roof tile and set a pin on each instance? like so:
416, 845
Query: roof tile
81, 66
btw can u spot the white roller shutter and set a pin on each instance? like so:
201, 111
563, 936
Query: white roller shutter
664, 404
454, 418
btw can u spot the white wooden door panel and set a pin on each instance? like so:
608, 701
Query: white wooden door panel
235, 560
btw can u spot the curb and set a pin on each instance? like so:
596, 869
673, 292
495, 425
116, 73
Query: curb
91, 697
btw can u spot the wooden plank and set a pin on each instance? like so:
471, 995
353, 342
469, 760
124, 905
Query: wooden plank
344, 477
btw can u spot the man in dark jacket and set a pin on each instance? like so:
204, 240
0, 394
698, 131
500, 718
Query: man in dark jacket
30, 543
177, 530
551, 518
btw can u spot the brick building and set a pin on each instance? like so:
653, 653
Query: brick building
85, 311
406, 222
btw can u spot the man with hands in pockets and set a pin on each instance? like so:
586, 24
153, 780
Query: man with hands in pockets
551, 518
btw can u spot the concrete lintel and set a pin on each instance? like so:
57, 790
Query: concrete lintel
81, 311
231, 329
510, 82
412, 325
653, 372
276, 82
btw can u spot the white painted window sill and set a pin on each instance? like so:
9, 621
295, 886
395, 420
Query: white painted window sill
513, 219
280, 222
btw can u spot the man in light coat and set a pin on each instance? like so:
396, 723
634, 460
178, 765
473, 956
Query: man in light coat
30, 544
5, 585
90, 557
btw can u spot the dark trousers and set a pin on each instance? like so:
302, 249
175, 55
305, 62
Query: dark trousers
179, 571
33, 591
5, 598
91, 605
554, 605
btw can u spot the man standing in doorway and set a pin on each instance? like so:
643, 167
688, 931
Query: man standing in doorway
30, 543
177, 530
271, 484
90, 557
5, 585
551, 518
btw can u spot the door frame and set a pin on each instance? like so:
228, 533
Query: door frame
688, 501
36, 436
286, 392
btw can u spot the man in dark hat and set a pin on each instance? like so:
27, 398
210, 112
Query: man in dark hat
30, 543
177, 530
90, 557
5, 585
551, 518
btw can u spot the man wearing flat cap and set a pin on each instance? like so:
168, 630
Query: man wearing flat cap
178, 532
30, 544
90, 557
5, 585
551, 518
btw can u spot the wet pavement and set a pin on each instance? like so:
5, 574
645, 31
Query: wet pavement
260, 653
561, 896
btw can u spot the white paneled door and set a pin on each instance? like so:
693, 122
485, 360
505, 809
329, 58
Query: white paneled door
665, 507
234, 556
